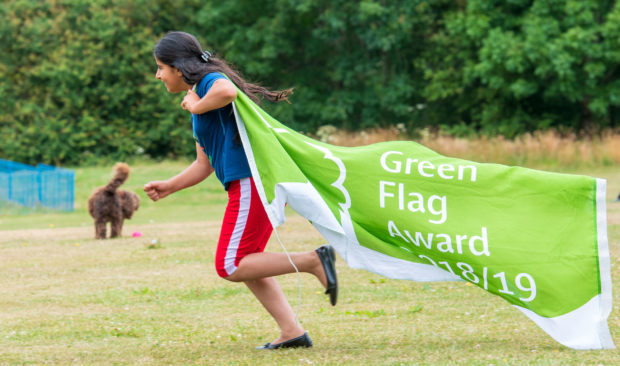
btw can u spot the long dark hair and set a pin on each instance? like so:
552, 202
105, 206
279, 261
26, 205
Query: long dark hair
183, 51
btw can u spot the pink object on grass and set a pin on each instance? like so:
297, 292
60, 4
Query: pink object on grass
136, 234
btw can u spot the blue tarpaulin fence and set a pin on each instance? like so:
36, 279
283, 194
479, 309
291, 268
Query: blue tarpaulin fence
36, 186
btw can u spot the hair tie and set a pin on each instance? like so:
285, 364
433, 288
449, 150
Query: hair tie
205, 56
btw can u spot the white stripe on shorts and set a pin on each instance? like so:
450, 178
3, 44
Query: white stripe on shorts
245, 197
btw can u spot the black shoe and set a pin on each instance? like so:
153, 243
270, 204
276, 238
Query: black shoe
328, 260
301, 341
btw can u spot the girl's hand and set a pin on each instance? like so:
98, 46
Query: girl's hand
157, 190
190, 99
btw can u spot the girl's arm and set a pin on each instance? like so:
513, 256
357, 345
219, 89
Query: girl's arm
198, 171
222, 93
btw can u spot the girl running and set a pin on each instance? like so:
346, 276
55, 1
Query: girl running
240, 256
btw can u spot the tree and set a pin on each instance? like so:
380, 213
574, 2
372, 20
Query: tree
77, 76
78, 81
518, 66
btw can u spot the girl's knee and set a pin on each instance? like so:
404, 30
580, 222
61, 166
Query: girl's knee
233, 278
225, 275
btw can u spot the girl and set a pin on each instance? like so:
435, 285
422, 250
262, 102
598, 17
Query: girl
181, 64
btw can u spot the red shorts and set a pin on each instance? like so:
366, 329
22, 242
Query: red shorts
245, 228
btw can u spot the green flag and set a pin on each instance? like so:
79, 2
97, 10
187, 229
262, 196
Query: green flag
536, 239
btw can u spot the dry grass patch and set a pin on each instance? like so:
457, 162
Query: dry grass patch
542, 149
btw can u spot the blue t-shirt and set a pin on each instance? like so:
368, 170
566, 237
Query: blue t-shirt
216, 132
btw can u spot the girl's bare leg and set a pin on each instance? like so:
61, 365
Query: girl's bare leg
261, 265
268, 292
257, 271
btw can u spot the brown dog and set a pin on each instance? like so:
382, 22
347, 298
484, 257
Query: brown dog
108, 204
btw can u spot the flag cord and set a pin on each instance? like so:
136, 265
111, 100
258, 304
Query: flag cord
296, 270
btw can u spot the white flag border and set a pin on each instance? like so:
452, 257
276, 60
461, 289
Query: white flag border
604, 263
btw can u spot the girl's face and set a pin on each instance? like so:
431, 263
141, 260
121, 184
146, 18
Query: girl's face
172, 77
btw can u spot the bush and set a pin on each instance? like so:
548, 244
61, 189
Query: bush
78, 83
77, 77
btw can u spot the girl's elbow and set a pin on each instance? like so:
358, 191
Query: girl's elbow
231, 93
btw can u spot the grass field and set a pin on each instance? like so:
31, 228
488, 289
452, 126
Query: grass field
66, 298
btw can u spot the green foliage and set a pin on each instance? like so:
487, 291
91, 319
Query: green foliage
352, 63
77, 77
518, 66
78, 82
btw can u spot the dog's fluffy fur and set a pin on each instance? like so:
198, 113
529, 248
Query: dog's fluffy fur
108, 204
